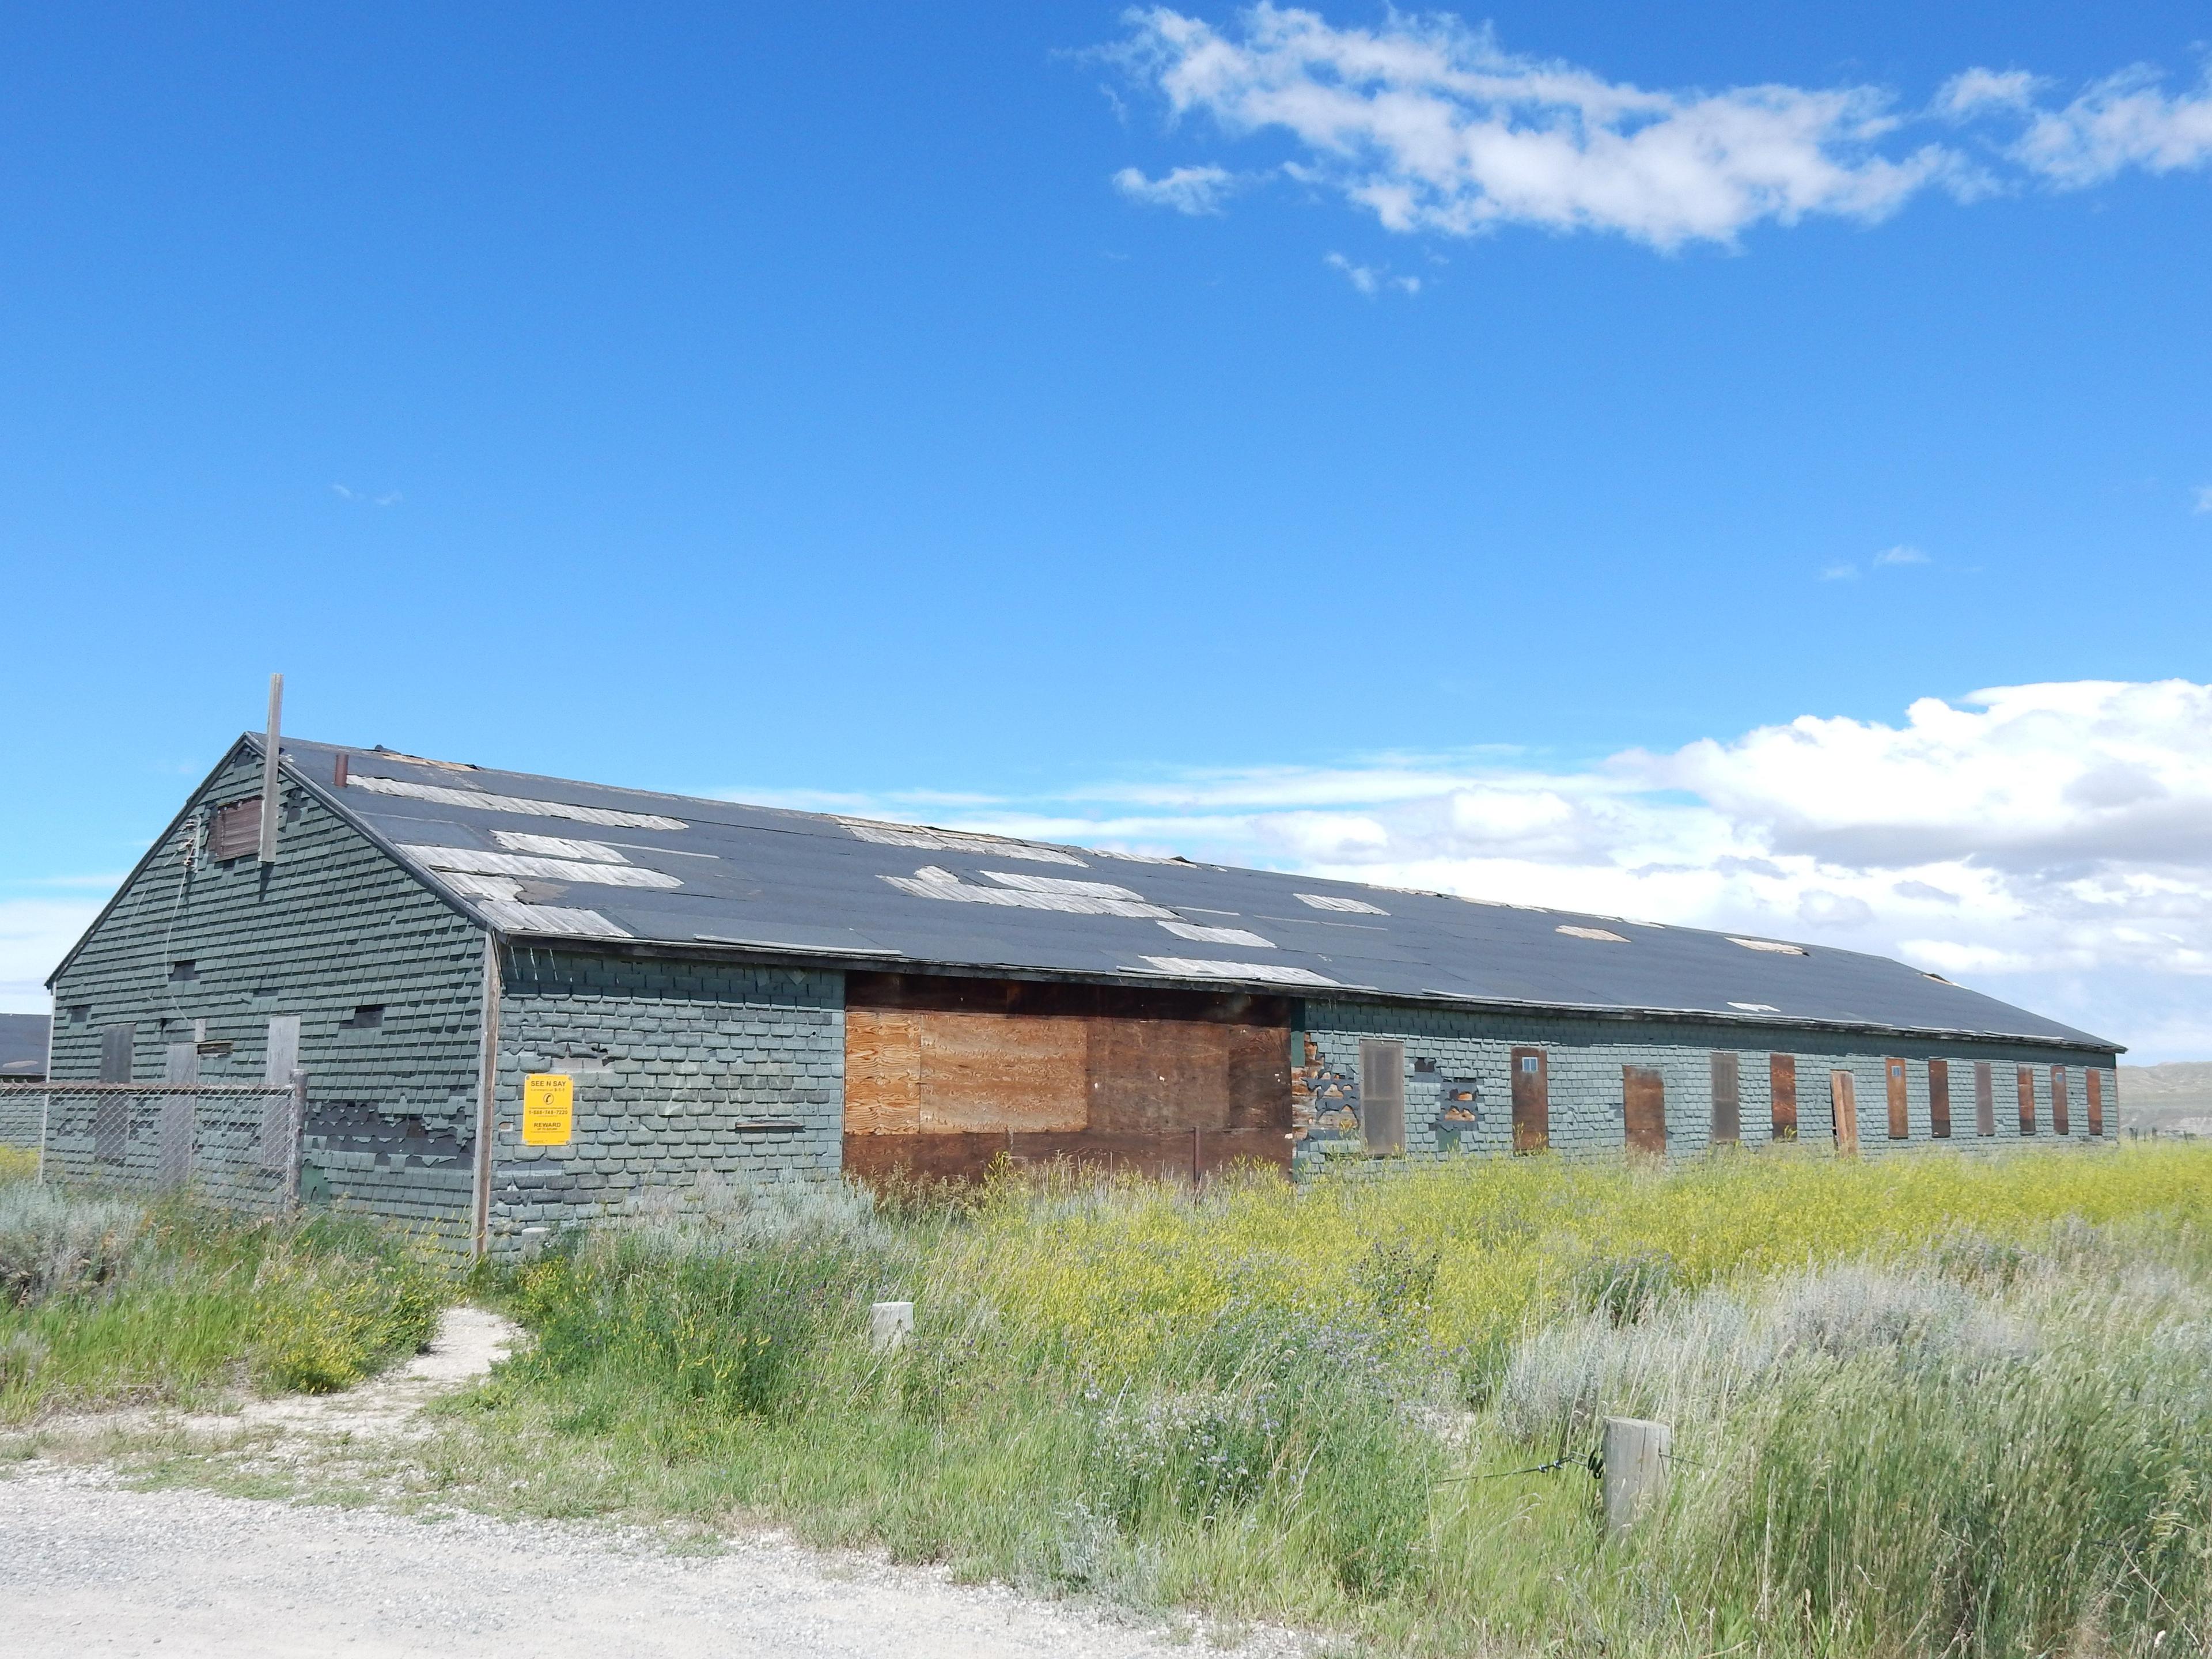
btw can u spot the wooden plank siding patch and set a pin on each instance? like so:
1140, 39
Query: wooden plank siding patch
1986, 1098
1643, 1108
2093, 1083
944, 1076
1900, 1107
2027, 1084
2061, 1121
1782, 1096
1939, 1099
1532, 1100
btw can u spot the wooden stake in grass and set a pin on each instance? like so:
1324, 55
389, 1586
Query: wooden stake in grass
1636, 1453
890, 1323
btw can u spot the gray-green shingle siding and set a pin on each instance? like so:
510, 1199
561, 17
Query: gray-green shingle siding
672, 1061
335, 924
1584, 1057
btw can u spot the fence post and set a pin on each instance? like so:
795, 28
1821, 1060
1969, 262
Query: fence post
890, 1323
296, 1141
1636, 1454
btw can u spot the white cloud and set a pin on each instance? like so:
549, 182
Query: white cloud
1370, 279
2123, 121
1901, 556
1187, 189
34, 935
2051, 844
1432, 126
2204, 498
1839, 573
1980, 90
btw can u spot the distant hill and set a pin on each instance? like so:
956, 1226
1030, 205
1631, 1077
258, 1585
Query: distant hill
2175, 1097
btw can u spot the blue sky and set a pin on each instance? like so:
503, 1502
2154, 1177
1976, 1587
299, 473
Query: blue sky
1418, 446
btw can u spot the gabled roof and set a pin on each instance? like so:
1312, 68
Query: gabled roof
535, 858
23, 1045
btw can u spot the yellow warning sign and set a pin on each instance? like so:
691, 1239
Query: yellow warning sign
549, 1109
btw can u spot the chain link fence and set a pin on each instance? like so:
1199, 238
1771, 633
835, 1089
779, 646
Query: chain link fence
237, 1144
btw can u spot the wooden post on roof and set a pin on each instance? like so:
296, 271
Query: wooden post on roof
269, 772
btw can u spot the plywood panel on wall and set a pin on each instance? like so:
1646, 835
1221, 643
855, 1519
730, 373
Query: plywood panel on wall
944, 1075
995, 1072
883, 1071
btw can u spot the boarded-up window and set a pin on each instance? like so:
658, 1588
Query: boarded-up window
1939, 1099
1383, 1094
2092, 1081
1844, 1111
1900, 1103
1643, 1107
1782, 1094
173, 1165
277, 1065
2061, 1117
1985, 1099
2027, 1082
1728, 1106
1532, 1100
236, 831
111, 1114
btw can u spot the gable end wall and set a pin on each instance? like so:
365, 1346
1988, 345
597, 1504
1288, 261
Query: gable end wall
335, 924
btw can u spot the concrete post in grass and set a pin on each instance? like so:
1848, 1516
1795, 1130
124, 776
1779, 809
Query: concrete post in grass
890, 1323
1636, 1454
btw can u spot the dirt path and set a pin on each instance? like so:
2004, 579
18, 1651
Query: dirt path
90, 1565
93, 1568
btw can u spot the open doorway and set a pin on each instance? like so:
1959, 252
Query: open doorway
1844, 1104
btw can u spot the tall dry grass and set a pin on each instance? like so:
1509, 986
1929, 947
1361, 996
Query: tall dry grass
1932, 1405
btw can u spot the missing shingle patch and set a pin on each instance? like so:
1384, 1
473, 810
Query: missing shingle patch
1350, 906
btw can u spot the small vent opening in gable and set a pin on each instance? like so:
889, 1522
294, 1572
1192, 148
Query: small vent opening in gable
369, 1016
236, 831
181, 971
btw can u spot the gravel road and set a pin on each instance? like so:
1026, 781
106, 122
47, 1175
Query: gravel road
90, 1567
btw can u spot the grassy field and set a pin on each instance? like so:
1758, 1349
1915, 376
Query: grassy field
110, 1301
1929, 1404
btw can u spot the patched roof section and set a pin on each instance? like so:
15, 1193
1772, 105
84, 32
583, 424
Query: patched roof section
513, 849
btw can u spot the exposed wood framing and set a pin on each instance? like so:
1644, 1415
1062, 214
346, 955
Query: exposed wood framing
486, 1092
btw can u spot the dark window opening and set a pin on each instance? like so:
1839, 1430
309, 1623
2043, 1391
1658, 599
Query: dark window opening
369, 1016
180, 971
80, 1014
